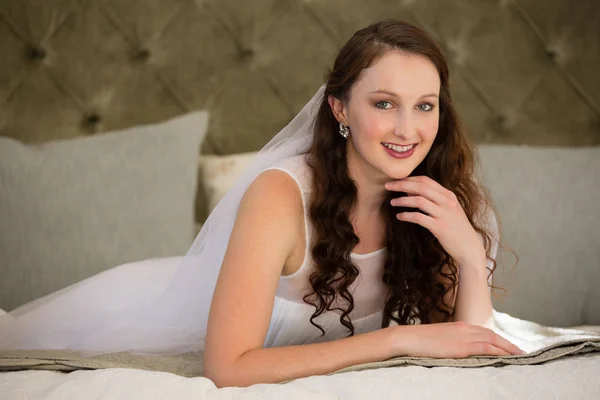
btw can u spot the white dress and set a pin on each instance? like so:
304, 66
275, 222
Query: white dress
88, 315
290, 320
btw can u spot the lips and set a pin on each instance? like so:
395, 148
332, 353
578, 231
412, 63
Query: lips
396, 154
399, 148
401, 145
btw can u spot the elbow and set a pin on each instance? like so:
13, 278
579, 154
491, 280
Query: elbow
223, 374
220, 377
229, 370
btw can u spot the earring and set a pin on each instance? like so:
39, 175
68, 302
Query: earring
344, 130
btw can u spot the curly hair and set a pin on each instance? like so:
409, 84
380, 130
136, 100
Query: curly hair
414, 257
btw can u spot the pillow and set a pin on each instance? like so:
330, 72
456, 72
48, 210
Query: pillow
72, 208
219, 173
548, 201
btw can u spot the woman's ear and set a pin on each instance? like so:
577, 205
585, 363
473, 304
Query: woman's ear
337, 108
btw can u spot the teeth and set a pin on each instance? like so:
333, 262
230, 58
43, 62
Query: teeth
399, 149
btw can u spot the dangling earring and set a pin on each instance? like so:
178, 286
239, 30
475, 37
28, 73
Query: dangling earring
344, 130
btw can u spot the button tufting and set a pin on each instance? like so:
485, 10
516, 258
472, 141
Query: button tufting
141, 54
36, 53
246, 53
551, 53
91, 120
507, 120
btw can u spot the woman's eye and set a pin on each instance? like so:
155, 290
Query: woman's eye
425, 107
383, 104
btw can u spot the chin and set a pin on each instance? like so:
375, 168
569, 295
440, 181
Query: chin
398, 173
399, 168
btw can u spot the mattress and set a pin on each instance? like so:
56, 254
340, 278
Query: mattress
567, 378
560, 363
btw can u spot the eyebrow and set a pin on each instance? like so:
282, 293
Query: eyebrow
395, 95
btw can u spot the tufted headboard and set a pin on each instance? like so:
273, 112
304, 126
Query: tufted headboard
522, 71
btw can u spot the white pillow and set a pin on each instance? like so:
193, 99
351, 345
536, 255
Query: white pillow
219, 173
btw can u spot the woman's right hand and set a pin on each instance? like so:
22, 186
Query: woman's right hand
451, 340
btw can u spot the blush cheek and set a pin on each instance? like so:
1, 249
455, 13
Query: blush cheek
374, 127
367, 134
429, 130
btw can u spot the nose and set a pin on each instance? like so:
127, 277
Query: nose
404, 127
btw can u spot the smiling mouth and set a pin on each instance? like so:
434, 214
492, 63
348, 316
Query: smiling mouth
399, 149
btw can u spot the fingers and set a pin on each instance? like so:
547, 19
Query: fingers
417, 218
416, 187
504, 344
486, 335
486, 349
419, 202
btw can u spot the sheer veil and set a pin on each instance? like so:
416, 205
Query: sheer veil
124, 310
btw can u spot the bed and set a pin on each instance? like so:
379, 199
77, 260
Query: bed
112, 110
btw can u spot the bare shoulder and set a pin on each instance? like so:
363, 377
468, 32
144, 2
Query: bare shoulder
273, 190
270, 215
264, 236
275, 205
272, 202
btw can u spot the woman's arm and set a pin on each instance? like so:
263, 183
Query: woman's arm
445, 218
277, 364
265, 232
470, 298
473, 302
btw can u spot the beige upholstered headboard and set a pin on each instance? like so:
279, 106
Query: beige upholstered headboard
522, 71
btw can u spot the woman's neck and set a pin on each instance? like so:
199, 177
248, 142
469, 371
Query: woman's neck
369, 184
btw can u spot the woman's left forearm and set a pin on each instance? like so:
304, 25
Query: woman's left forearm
473, 303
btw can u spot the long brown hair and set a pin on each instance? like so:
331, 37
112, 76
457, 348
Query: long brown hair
414, 256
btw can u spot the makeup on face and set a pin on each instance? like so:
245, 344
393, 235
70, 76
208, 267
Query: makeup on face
395, 109
399, 151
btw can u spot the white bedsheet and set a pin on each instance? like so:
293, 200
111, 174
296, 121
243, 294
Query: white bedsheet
568, 378
574, 377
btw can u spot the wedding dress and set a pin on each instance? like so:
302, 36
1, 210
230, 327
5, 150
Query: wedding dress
161, 306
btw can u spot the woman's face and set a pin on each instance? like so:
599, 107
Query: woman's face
394, 103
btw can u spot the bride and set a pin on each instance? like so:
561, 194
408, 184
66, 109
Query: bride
358, 234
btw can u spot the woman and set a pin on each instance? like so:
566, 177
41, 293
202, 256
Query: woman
335, 230
358, 234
